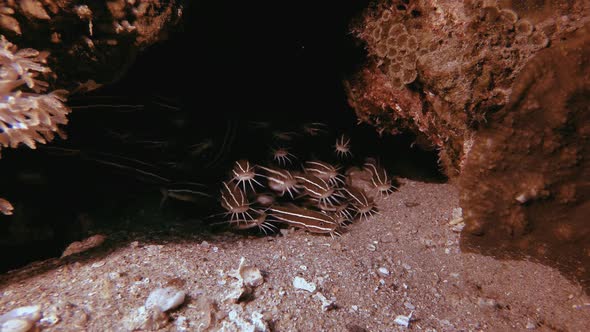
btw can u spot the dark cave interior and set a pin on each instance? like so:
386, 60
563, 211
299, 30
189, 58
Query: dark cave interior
186, 115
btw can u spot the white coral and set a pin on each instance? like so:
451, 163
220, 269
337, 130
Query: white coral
28, 114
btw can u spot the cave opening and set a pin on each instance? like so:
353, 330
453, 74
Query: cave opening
221, 88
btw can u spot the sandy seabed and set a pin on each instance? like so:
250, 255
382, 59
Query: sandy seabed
406, 260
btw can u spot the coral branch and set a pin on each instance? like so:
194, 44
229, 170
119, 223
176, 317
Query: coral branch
27, 114
5, 207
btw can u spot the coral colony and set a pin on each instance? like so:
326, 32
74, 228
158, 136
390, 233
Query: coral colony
28, 113
439, 69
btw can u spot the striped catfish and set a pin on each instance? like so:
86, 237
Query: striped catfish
380, 180
317, 188
261, 221
340, 212
342, 147
364, 205
310, 220
243, 172
281, 180
324, 171
182, 191
234, 200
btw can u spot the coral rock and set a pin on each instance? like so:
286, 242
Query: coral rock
525, 184
440, 69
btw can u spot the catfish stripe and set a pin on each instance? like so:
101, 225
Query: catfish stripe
303, 214
243, 165
371, 167
324, 171
378, 173
237, 201
320, 167
306, 225
314, 184
284, 174
242, 169
358, 195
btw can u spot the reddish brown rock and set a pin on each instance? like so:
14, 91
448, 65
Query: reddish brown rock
526, 183
455, 60
502, 91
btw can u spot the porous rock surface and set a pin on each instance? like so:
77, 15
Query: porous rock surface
525, 182
439, 69
500, 89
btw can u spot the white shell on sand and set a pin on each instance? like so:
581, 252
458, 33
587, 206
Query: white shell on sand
165, 298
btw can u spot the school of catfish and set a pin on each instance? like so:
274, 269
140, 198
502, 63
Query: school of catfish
313, 195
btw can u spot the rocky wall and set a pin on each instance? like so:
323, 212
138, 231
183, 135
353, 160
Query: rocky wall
501, 89
526, 183
440, 69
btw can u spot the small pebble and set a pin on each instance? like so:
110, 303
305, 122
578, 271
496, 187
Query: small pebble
20, 319
383, 271
98, 264
205, 245
371, 247
530, 325
300, 283
457, 213
326, 304
409, 305
303, 267
458, 228
165, 298
259, 321
49, 320
16, 325
31, 313
249, 275
182, 324
403, 320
